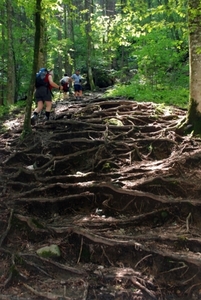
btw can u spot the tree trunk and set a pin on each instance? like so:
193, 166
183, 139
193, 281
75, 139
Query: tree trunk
11, 76
3, 61
110, 7
194, 112
42, 54
68, 35
60, 58
27, 120
88, 7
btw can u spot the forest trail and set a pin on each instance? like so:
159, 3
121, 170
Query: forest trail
115, 186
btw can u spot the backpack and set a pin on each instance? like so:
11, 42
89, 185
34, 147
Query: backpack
64, 84
42, 78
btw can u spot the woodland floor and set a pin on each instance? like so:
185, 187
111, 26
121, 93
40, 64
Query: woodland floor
121, 200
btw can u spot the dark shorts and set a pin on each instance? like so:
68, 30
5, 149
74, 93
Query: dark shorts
66, 90
43, 94
77, 87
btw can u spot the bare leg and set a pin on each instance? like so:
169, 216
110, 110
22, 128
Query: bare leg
48, 109
39, 107
36, 112
80, 93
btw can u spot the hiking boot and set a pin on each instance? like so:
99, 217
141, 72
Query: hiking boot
33, 119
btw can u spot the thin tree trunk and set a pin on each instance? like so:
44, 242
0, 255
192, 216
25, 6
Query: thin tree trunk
194, 112
88, 7
60, 58
68, 33
27, 121
2, 74
110, 7
42, 54
11, 76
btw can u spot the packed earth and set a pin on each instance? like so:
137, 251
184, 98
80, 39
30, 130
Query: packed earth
101, 202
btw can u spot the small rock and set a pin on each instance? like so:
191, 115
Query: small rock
49, 251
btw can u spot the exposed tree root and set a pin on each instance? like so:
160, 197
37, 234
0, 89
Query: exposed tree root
116, 186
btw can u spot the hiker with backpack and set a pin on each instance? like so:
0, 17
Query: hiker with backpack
77, 84
43, 93
65, 83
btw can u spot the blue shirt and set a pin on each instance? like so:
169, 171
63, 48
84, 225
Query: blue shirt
76, 78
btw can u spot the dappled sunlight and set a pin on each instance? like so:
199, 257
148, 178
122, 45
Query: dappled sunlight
12, 124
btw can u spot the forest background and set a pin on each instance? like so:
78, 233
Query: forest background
138, 47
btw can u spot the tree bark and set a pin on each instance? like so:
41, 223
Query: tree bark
3, 60
88, 7
27, 121
11, 76
68, 33
194, 112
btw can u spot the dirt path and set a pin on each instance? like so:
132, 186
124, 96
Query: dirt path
116, 189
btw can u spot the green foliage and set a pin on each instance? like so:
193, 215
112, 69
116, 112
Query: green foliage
161, 64
19, 106
106, 166
146, 93
148, 36
159, 57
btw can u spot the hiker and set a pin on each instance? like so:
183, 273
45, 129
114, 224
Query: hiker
65, 82
77, 84
43, 94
